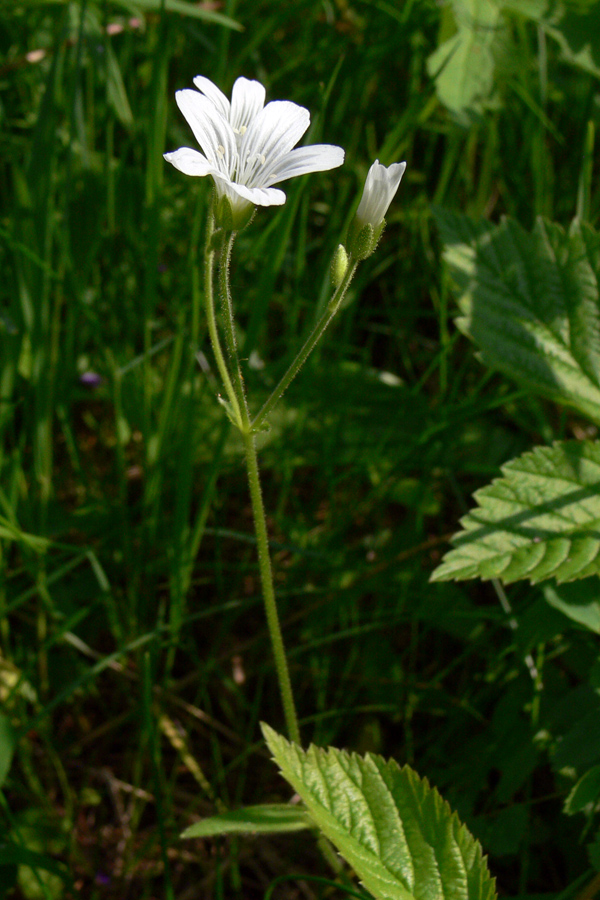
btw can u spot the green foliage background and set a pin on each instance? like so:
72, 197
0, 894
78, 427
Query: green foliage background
135, 664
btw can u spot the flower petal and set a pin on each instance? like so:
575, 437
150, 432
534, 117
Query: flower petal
314, 158
256, 196
216, 96
247, 100
380, 189
211, 130
275, 130
189, 161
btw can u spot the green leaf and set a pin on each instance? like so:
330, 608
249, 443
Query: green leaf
580, 602
270, 818
117, 94
575, 27
593, 850
8, 879
585, 793
135, 7
540, 520
15, 854
530, 302
183, 7
464, 65
8, 742
397, 833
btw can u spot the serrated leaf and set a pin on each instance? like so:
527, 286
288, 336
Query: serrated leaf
578, 36
270, 818
396, 831
530, 302
575, 27
464, 65
540, 520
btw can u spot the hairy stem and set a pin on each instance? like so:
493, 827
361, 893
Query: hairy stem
258, 509
209, 302
308, 346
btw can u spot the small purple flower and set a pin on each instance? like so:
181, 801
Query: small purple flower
91, 379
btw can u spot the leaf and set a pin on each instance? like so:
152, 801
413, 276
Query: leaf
540, 520
575, 27
184, 8
464, 65
13, 854
397, 833
594, 851
585, 793
271, 818
580, 602
117, 94
8, 879
530, 302
8, 741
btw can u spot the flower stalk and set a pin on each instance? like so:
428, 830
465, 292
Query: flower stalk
308, 346
247, 148
258, 510
209, 303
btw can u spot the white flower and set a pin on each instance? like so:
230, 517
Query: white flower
247, 146
379, 191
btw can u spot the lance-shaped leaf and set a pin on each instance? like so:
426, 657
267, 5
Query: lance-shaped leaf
398, 834
530, 302
540, 520
268, 818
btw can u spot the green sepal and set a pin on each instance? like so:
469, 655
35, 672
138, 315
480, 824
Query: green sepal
229, 218
216, 240
363, 238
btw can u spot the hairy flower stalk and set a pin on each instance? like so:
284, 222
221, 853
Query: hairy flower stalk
247, 146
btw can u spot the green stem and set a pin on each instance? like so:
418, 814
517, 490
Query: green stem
229, 323
266, 577
209, 302
308, 346
258, 509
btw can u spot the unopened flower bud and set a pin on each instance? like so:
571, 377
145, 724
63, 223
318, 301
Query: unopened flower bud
367, 226
339, 266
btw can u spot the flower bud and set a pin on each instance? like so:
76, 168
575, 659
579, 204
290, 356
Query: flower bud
367, 226
339, 266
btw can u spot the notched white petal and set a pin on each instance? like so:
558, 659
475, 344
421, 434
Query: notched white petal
211, 130
247, 146
255, 195
302, 160
247, 100
189, 161
214, 94
275, 130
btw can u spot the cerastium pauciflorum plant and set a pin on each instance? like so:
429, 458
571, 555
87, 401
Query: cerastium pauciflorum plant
396, 832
